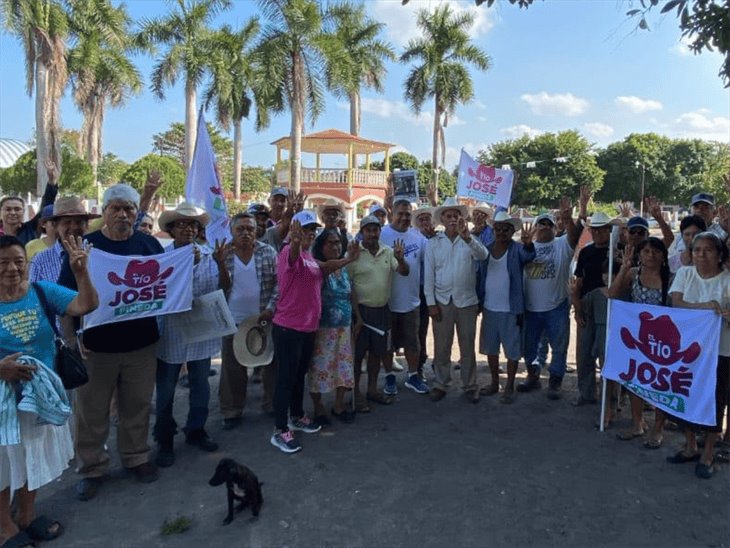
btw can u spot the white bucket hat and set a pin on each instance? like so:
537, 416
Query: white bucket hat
482, 207
599, 219
422, 210
185, 211
252, 344
450, 203
503, 217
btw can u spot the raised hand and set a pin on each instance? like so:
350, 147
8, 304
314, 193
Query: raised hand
353, 250
653, 206
220, 252
300, 201
462, 229
624, 209
585, 197
78, 253
295, 232
399, 249
528, 232
51, 171
628, 256
566, 209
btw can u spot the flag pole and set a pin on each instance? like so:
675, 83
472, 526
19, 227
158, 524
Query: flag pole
608, 327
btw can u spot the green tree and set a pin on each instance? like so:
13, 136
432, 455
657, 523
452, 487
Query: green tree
100, 69
41, 26
76, 177
562, 163
171, 172
172, 143
294, 52
256, 179
111, 169
233, 88
442, 54
365, 56
190, 43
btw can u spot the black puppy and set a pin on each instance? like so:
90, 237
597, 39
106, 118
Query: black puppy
241, 484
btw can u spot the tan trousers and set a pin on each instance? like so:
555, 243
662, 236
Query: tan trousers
132, 374
465, 322
234, 383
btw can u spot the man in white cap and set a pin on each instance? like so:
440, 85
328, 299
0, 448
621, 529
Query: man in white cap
547, 306
589, 271
405, 301
372, 275
450, 289
500, 291
121, 356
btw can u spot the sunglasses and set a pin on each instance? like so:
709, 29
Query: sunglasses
634, 231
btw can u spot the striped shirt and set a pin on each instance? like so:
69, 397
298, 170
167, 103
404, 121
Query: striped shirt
172, 347
46, 265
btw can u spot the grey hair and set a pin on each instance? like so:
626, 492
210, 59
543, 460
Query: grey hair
120, 191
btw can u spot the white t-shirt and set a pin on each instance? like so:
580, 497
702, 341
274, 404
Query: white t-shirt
405, 290
695, 289
496, 296
546, 278
245, 295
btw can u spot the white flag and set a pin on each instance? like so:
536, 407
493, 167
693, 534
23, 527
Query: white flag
134, 286
483, 183
203, 188
666, 356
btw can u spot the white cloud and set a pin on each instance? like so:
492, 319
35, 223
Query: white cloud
385, 108
699, 124
597, 129
637, 105
474, 148
682, 47
401, 20
481, 118
564, 104
480, 105
520, 130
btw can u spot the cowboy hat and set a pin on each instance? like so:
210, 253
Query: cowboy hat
252, 344
185, 211
599, 219
70, 206
422, 210
482, 207
503, 217
330, 203
450, 203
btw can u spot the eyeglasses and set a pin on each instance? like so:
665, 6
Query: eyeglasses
635, 231
193, 225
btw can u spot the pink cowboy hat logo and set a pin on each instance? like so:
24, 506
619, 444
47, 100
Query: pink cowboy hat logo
485, 174
140, 274
660, 341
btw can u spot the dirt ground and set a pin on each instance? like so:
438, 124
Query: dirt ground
417, 473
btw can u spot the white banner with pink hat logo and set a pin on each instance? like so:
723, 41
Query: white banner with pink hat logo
666, 356
133, 287
483, 183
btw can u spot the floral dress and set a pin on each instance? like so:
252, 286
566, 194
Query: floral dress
332, 358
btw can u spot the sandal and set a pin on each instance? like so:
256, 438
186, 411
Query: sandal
628, 435
508, 396
361, 406
42, 528
19, 540
382, 399
489, 390
653, 443
704, 471
345, 416
680, 458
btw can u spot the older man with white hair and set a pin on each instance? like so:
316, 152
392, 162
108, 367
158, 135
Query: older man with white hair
450, 281
120, 356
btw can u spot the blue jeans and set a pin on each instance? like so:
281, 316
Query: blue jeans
555, 324
167, 377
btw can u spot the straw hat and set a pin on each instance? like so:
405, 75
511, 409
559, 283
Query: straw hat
70, 206
422, 210
450, 203
482, 207
185, 211
252, 344
330, 203
599, 219
503, 217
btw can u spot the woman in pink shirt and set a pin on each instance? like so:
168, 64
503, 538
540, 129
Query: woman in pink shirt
296, 321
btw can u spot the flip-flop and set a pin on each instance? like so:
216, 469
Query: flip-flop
346, 416
704, 471
40, 529
628, 435
382, 399
681, 458
362, 406
19, 540
507, 397
489, 390
653, 443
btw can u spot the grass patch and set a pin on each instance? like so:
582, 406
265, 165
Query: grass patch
176, 526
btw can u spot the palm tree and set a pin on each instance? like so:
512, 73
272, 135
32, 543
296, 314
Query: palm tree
366, 56
100, 69
185, 30
294, 54
41, 25
233, 84
442, 51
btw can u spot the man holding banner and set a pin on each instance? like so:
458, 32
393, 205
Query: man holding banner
120, 355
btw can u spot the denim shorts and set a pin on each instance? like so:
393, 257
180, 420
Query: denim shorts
500, 328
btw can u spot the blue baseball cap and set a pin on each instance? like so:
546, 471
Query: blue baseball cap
47, 212
279, 191
638, 222
703, 197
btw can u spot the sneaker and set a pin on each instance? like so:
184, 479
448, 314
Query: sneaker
390, 387
397, 366
285, 442
553, 391
304, 424
87, 488
415, 383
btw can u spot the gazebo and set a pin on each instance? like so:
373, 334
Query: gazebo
350, 185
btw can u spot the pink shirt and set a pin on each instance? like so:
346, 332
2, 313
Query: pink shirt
300, 285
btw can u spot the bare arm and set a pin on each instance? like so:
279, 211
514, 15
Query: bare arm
655, 208
353, 253
622, 282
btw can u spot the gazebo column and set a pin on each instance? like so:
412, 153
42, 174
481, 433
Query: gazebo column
349, 171
387, 161
318, 177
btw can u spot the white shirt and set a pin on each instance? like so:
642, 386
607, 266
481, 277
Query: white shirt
496, 299
451, 270
546, 278
405, 290
243, 300
695, 289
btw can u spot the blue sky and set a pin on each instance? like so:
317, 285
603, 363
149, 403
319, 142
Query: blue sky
561, 64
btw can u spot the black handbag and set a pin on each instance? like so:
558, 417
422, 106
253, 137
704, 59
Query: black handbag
69, 364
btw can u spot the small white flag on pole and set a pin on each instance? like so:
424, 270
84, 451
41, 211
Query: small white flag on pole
203, 188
